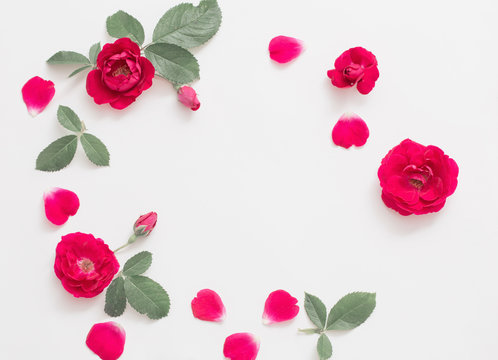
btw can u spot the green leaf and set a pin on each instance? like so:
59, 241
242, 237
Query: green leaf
115, 298
78, 70
95, 149
138, 264
94, 52
146, 296
58, 154
68, 57
68, 118
173, 63
122, 25
350, 311
187, 25
316, 310
324, 347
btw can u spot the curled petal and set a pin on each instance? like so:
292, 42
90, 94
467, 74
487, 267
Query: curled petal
207, 305
106, 340
284, 49
60, 204
280, 306
349, 130
37, 94
188, 97
241, 346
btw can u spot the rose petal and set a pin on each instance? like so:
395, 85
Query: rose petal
241, 346
280, 306
188, 97
60, 204
284, 49
107, 340
37, 94
208, 306
349, 130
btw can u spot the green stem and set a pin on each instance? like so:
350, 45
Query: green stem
131, 240
310, 331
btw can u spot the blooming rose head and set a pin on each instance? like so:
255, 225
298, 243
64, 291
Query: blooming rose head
84, 264
188, 97
417, 179
355, 66
121, 74
145, 224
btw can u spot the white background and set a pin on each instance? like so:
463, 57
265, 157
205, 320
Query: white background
252, 195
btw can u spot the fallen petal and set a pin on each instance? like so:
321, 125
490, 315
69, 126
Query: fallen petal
60, 204
284, 49
280, 306
207, 305
37, 94
107, 340
241, 346
188, 97
350, 130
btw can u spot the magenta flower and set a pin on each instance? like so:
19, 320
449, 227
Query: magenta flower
349, 130
280, 306
37, 94
207, 305
106, 340
60, 204
188, 97
284, 49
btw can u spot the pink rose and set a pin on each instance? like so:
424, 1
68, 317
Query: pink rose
84, 264
355, 66
417, 179
188, 97
145, 224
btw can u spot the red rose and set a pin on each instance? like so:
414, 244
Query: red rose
417, 179
121, 74
355, 66
85, 265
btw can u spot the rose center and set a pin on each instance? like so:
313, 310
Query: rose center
353, 72
418, 176
416, 183
120, 68
86, 265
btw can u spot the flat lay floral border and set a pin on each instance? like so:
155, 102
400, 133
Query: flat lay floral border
414, 179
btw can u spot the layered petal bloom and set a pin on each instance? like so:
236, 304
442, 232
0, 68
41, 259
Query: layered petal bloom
122, 74
207, 305
37, 94
280, 306
106, 340
145, 224
349, 130
84, 264
284, 49
188, 97
60, 204
417, 179
355, 66
241, 346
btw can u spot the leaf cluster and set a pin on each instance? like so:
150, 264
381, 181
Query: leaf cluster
60, 153
143, 294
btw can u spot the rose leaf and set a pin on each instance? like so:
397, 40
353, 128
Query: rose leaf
137, 264
58, 154
351, 311
95, 149
122, 25
316, 310
115, 298
146, 296
68, 118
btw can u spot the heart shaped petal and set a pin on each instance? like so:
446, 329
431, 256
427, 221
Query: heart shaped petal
280, 306
106, 340
241, 346
207, 305
349, 130
60, 204
37, 94
284, 49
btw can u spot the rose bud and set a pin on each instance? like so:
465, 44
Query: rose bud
145, 224
188, 97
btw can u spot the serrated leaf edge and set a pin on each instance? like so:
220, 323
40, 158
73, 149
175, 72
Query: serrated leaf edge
76, 138
354, 292
124, 266
145, 312
106, 298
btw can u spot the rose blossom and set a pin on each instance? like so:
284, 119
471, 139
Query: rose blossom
121, 74
188, 97
84, 264
417, 179
355, 66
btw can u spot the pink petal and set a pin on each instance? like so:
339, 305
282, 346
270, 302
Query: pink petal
107, 340
37, 94
188, 97
208, 306
60, 204
350, 130
284, 49
280, 306
241, 346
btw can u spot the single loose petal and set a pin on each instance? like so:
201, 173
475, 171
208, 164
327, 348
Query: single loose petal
60, 204
107, 340
207, 305
241, 346
188, 97
349, 130
37, 94
280, 306
284, 49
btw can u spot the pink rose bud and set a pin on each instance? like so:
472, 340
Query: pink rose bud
188, 97
145, 224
